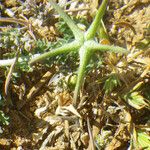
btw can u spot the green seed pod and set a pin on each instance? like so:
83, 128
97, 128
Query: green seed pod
72, 81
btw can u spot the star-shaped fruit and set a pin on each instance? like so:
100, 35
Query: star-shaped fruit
84, 43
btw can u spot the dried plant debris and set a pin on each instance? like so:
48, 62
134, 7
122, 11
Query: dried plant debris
115, 100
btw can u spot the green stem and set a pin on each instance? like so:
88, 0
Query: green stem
90, 34
8, 62
63, 49
76, 31
85, 54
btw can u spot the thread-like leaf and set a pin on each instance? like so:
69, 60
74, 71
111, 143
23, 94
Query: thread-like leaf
84, 58
100, 47
76, 31
97, 21
63, 49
